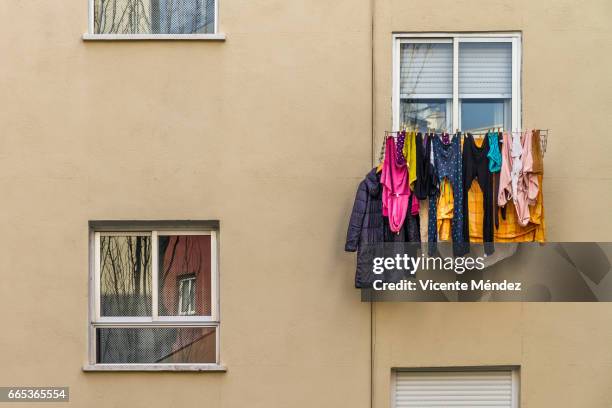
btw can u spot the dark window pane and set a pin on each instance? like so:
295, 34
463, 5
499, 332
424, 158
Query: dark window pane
125, 276
156, 345
184, 258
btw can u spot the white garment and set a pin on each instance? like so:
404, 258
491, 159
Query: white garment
517, 163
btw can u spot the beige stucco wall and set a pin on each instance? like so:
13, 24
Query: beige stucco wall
270, 132
562, 349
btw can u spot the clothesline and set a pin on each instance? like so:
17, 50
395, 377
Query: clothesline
394, 133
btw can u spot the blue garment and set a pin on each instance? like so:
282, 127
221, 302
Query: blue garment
494, 155
447, 162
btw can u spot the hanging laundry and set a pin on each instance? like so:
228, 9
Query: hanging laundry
410, 231
476, 166
409, 152
535, 231
495, 162
366, 226
447, 159
396, 190
454, 207
538, 157
399, 155
425, 184
517, 179
446, 209
494, 154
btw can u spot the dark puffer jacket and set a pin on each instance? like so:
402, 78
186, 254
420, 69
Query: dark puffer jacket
366, 223
366, 227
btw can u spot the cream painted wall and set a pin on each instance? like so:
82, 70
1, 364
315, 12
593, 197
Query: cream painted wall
563, 349
268, 132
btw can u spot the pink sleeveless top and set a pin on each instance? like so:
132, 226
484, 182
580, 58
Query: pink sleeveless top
396, 189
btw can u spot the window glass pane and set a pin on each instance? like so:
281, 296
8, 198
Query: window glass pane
426, 70
154, 16
125, 275
181, 258
482, 115
426, 113
156, 345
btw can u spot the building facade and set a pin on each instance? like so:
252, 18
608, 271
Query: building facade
260, 130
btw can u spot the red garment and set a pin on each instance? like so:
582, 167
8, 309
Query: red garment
396, 189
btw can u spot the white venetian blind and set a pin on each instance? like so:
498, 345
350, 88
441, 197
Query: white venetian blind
441, 389
485, 69
426, 70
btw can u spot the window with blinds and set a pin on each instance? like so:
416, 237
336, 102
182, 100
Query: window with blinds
465, 81
469, 388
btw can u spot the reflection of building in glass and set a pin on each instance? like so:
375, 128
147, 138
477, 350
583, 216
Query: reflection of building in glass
184, 266
424, 114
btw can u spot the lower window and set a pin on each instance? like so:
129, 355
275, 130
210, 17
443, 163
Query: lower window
156, 345
154, 297
465, 387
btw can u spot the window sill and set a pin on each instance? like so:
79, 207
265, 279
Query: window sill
159, 37
154, 367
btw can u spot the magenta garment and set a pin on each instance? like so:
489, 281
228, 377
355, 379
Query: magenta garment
396, 189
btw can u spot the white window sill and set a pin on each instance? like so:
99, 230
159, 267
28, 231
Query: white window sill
154, 367
159, 37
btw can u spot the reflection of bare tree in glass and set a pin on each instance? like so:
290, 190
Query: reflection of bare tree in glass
122, 16
153, 16
125, 288
125, 275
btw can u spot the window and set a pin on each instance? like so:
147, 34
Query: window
155, 298
153, 17
466, 387
462, 81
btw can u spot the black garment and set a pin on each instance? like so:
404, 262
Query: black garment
425, 184
476, 165
368, 230
366, 223
411, 230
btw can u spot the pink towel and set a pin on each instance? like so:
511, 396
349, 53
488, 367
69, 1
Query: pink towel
396, 189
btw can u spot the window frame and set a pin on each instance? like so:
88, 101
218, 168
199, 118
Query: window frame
96, 321
515, 38
91, 35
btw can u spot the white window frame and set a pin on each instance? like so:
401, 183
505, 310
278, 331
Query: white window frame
457, 38
191, 282
91, 35
516, 394
97, 321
